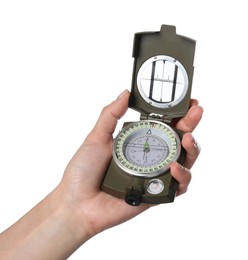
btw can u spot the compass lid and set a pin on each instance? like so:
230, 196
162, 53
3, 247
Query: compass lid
162, 73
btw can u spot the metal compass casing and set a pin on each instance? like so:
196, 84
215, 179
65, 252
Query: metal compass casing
161, 87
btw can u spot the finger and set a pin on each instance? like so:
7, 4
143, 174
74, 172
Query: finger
193, 102
109, 117
192, 149
182, 175
189, 122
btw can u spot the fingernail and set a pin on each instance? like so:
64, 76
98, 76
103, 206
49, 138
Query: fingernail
192, 139
197, 146
195, 143
122, 94
181, 166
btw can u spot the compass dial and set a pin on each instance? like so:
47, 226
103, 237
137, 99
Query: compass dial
162, 81
146, 148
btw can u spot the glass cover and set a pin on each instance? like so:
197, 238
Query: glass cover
162, 81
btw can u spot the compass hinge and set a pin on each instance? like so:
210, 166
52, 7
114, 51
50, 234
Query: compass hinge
162, 118
157, 117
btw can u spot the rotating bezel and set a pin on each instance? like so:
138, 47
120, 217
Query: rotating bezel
141, 129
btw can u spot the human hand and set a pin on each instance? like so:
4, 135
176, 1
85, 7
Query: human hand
77, 209
85, 172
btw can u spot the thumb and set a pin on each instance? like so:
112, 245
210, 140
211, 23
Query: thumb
107, 121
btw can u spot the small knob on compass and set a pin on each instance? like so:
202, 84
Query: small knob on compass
133, 197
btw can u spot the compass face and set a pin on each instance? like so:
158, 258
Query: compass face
162, 81
146, 148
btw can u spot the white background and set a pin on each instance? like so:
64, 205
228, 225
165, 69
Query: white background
62, 61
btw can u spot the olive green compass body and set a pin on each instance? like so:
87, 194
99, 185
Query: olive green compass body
144, 150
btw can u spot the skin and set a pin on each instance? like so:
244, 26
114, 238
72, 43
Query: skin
69, 216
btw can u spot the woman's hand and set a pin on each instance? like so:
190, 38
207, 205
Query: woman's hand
77, 209
85, 172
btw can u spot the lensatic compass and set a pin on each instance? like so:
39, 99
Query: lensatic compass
143, 151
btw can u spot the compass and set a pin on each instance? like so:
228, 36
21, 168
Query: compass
144, 150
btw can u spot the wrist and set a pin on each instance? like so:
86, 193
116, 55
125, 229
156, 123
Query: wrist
51, 230
69, 216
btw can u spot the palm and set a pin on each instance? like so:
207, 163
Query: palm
85, 186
